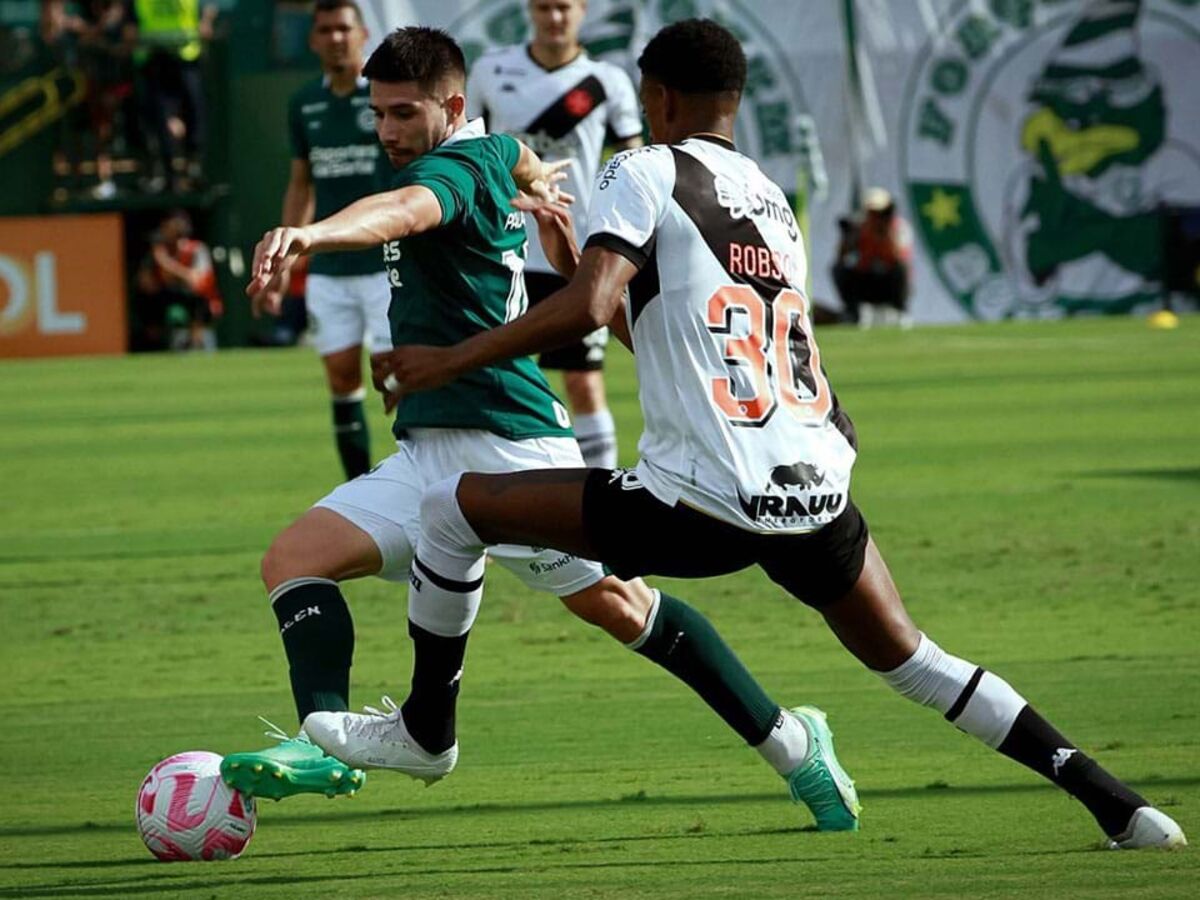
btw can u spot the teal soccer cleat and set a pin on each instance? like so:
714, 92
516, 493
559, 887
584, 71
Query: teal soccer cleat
293, 766
820, 782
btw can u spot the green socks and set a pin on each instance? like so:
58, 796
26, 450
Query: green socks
350, 433
684, 642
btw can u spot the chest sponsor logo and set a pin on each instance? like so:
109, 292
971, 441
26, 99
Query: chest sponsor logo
1039, 141
743, 201
343, 161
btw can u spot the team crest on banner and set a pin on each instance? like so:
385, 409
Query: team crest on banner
774, 127
1039, 142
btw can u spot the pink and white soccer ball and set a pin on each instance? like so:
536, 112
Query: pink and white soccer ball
186, 812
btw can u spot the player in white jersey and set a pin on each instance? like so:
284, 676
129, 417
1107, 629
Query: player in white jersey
565, 105
746, 458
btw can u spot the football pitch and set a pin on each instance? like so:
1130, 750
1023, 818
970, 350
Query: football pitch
1034, 487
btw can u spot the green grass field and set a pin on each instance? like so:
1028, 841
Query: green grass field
1034, 487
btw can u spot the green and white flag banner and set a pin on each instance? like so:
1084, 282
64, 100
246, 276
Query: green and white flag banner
1031, 143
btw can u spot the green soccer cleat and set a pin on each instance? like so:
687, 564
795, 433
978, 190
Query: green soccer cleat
294, 766
820, 782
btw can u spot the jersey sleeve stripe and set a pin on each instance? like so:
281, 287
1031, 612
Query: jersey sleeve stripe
635, 254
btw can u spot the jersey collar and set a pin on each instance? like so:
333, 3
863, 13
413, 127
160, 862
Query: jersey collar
360, 82
717, 139
582, 54
473, 129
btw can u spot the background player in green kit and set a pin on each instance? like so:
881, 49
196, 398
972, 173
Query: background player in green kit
454, 247
336, 160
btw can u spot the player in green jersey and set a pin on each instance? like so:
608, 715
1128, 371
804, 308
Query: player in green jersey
336, 160
454, 247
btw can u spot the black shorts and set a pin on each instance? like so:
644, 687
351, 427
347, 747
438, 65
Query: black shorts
636, 534
586, 355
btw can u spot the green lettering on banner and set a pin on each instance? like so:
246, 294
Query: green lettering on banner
976, 35
934, 125
507, 25
774, 125
758, 75
949, 76
1017, 13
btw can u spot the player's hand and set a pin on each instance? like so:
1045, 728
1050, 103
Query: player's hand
274, 254
411, 368
556, 231
270, 299
547, 185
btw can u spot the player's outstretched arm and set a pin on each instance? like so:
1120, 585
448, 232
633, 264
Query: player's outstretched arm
556, 232
368, 222
540, 179
299, 202
589, 301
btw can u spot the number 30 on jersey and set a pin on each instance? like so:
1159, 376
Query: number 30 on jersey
772, 356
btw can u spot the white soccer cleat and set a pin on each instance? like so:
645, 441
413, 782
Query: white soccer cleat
377, 739
1149, 827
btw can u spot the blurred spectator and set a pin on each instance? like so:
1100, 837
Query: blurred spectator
289, 325
59, 30
874, 263
178, 299
105, 56
170, 36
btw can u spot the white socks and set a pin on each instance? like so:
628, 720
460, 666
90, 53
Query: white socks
974, 700
786, 747
596, 434
446, 586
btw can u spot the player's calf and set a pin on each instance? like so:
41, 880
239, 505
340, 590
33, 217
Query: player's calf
986, 706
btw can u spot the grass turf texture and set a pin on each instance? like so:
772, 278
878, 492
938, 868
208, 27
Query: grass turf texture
1033, 486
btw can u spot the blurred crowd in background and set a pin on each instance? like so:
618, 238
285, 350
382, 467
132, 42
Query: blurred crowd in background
145, 112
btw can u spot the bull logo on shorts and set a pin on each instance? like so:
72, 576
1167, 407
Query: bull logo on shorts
799, 474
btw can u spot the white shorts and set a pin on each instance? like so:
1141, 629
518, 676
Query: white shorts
348, 310
386, 502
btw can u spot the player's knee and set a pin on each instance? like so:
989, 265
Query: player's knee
585, 391
439, 509
280, 563
617, 607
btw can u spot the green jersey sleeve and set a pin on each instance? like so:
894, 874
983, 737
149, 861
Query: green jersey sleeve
509, 149
455, 184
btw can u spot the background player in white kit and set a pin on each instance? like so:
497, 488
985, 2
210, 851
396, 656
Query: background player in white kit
335, 161
746, 457
564, 105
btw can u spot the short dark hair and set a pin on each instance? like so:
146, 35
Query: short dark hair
696, 56
424, 55
331, 5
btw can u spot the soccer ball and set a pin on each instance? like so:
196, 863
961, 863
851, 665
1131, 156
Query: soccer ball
186, 812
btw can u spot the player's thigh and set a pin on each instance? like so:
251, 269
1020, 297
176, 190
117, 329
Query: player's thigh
818, 568
372, 296
320, 544
335, 316
385, 504
634, 533
870, 619
525, 492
